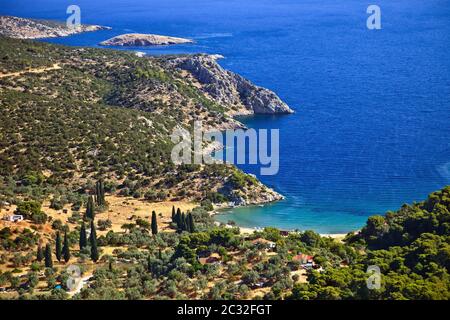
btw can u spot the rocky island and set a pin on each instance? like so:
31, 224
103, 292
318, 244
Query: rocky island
143, 40
23, 28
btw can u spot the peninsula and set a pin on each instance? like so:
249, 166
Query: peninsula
23, 28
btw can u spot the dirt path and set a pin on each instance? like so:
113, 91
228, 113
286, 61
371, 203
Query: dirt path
34, 70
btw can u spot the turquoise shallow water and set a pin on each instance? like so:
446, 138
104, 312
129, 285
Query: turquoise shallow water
371, 129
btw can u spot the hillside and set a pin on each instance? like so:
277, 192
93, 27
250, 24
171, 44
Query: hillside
210, 262
79, 114
84, 159
410, 246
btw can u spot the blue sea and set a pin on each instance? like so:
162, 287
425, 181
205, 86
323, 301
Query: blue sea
372, 124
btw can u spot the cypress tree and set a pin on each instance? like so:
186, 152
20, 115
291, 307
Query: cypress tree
154, 224
97, 193
40, 253
186, 223
90, 208
48, 256
191, 223
183, 222
58, 246
66, 248
178, 220
100, 193
93, 240
83, 237
173, 213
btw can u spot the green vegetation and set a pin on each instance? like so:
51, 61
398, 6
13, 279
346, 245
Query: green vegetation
217, 262
411, 247
90, 208
66, 249
100, 194
58, 248
101, 126
101, 122
154, 224
93, 242
240, 180
48, 256
31, 210
39, 254
83, 237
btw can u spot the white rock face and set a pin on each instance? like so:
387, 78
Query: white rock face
141, 40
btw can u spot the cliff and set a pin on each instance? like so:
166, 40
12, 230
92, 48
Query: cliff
22, 28
228, 88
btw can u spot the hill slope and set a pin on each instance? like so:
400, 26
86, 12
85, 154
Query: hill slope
23, 28
108, 113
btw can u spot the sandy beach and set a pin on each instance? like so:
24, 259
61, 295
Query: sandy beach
337, 236
246, 230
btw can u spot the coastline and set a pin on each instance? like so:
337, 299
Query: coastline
337, 236
269, 195
251, 230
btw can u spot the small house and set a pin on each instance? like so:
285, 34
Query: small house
308, 265
14, 218
264, 242
284, 233
303, 259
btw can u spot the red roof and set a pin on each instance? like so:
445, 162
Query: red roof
302, 257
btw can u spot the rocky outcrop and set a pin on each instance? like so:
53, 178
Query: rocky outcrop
142, 40
256, 196
255, 193
22, 28
228, 88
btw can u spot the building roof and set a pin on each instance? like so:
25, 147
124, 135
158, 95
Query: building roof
302, 257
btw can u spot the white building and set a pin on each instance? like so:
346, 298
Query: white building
14, 218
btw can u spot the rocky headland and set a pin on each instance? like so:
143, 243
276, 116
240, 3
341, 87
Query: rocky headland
228, 88
23, 28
